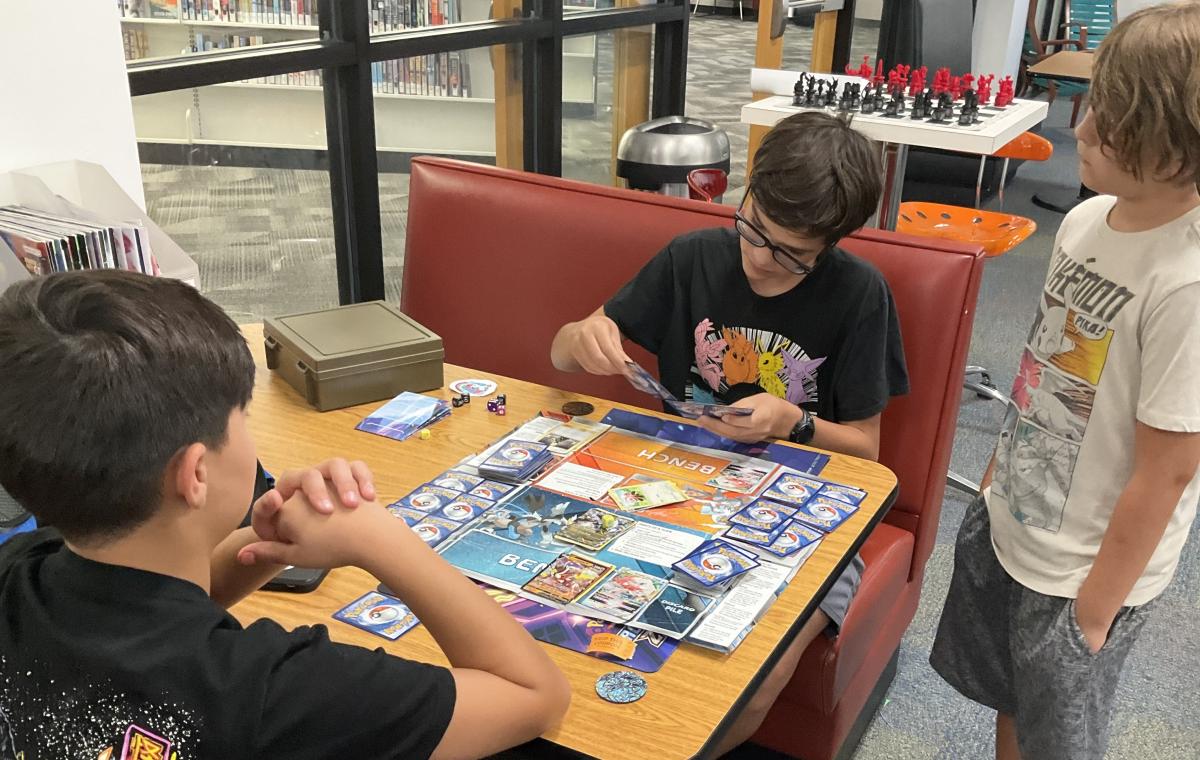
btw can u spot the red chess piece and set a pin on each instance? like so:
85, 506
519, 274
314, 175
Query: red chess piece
941, 81
917, 83
1004, 95
863, 70
968, 81
984, 89
878, 78
956, 87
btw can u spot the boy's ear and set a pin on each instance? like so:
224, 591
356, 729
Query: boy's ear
187, 476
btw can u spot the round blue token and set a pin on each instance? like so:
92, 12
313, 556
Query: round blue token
621, 686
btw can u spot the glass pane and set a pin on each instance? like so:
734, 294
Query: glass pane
237, 174
398, 15
606, 90
464, 104
164, 28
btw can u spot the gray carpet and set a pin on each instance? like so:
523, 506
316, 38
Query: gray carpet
263, 241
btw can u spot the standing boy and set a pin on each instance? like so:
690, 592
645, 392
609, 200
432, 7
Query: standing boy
772, 316
1095, 488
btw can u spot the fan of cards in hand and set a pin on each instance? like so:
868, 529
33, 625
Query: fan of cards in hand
646, 383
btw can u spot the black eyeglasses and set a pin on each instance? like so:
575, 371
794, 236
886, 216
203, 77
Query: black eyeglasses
755, 237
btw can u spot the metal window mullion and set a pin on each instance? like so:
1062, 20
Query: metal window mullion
353, 162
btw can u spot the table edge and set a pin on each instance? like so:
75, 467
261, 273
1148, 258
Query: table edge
786, 640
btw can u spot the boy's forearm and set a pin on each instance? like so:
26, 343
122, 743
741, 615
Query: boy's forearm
472, 630
1137, 525
844, 439
232, 581
561, 348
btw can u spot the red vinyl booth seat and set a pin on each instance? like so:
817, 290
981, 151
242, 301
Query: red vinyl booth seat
497, 260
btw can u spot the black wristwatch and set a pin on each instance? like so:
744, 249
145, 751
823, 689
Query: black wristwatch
802, 431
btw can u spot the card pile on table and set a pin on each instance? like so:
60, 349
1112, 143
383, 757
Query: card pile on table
516, 460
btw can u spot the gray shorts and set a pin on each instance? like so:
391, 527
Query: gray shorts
837, 600
1023, 654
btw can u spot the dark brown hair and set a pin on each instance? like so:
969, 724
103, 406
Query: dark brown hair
106, 375
816, 176
1145, 92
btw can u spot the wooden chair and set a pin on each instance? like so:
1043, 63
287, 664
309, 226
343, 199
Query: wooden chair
1085, 24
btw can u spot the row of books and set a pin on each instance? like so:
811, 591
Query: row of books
137, 43
396, 15
386, 15
438, 74
283, 12
46, 243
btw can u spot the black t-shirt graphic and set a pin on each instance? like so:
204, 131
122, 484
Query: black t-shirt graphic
100, 661
831, 344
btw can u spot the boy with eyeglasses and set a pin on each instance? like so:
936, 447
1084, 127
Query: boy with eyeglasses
772, 316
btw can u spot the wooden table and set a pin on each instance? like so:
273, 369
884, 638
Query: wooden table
1075, 65
690, 700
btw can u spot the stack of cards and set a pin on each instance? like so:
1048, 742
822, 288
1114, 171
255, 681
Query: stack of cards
436, 512
657, 493
404, 415
516, 460
824, 513
379, 614
815, 503
714, 566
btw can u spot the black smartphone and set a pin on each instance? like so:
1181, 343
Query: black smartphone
298, 580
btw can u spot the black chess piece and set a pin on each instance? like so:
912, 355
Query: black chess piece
918, 110
831, 93
810, 92
868, 100
798, 92
855, 95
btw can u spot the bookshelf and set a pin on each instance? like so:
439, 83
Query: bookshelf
418, 107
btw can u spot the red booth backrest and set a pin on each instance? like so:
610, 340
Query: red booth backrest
496, 261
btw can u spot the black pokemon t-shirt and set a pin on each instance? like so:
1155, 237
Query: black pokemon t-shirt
831, 344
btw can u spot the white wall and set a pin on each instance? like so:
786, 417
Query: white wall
1126, 7
64, 88
997, 37
871, 10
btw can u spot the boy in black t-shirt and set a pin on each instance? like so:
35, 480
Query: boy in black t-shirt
773, 316
124, 427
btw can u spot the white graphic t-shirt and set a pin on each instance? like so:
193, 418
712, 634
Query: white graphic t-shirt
1116, 341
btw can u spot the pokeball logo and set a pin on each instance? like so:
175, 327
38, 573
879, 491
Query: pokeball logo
787, 540
795, 489
517, 454
716, 564
828, 513
427, 533
383, 613
457, 511
764, 514
425, 501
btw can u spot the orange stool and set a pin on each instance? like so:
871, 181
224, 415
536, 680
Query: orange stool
996, 231
706, 184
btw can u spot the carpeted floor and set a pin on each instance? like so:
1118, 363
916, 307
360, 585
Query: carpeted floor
263, 240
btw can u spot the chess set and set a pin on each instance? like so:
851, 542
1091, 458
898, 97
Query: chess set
963, 101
